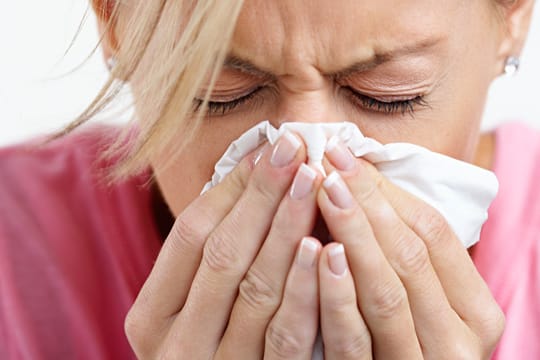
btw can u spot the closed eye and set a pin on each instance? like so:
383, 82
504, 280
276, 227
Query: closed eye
406, 106
216, 107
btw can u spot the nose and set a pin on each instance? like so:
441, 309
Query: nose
310, 104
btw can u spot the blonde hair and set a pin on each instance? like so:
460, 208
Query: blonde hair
171, 47
171, 69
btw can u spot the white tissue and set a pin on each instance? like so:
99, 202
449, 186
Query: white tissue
461, 192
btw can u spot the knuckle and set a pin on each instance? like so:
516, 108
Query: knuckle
339, 307
369, 191
220, 255
186, 233
238, 178
499, 323
492, 328
431, 226
132, 328
139, 338
264, 190
257, 293
283, 342
352, 346
378, 179
412, 256
388, 300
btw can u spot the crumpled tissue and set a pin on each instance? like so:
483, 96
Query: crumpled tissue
460, 191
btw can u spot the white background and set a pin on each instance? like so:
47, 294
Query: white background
34, 34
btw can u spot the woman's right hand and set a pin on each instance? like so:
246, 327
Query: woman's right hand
227, 283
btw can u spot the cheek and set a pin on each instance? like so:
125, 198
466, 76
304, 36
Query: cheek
182, 181
451, 125
440, 132
457, 141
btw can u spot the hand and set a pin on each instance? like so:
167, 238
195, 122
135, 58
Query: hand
227, 284
412, 291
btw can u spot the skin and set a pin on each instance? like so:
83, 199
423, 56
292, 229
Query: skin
454, 78
224, 287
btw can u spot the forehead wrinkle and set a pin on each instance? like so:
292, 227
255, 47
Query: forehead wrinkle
236, 62
284, 38
387, 55
260, 32
289, 40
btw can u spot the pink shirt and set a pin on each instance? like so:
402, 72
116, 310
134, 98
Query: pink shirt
74, 252
508, 254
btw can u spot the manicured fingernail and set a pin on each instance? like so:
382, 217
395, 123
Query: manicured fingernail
340, 156
338, 192
337, 260
259, 154
303, 182
285, 150
307, 253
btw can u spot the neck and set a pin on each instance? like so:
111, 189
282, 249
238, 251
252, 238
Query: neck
485, 151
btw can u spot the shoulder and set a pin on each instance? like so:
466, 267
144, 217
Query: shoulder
517, 165
43, 183
514, 216
513, 137
56, 157
33, 169
65, 236
508, 254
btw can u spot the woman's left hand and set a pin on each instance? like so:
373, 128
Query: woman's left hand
406, 288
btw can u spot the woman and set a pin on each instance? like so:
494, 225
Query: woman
239, 275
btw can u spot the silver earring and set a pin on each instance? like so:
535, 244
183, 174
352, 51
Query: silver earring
111, 63
511, 67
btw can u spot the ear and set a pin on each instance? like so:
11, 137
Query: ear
515, 20
104, 10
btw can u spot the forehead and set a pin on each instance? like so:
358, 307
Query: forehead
323, 32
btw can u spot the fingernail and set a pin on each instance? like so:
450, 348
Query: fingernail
338, 192
303, 182
259, 154
337, 260
340, 156
285, 150
307, 253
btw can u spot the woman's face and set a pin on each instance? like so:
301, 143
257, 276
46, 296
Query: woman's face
412, 71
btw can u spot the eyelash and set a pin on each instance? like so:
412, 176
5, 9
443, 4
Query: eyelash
223, 107
390, 108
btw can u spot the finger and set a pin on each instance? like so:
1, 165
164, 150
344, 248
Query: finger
409, 258
233, 245
464, 287
261, 290
291, 333
406, 252
382, 298
165, 290
345, 334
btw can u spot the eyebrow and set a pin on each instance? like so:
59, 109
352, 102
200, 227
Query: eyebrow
245, 66
237, 63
